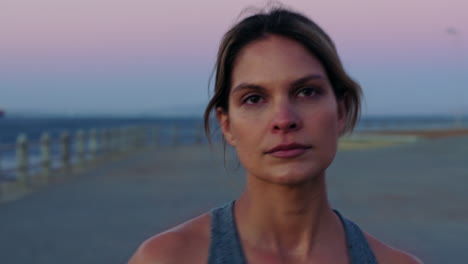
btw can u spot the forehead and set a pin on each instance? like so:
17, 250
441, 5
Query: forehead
274, 59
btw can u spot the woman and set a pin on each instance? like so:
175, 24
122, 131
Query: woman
282, 99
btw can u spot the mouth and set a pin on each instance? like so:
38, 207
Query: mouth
288, 150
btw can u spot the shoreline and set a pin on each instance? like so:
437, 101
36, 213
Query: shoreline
423, 133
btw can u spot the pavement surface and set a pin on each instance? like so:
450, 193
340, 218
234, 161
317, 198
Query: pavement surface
412, 196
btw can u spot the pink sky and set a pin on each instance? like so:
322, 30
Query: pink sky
150, 43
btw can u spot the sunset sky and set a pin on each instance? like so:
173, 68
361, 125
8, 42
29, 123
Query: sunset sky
143, 56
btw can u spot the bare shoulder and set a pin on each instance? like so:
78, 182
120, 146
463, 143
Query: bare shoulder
185, 243
386, 254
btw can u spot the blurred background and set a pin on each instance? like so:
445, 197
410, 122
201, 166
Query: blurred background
101, 107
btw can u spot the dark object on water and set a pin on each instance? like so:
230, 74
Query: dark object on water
2, 113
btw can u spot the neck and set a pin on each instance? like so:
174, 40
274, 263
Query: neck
291, 219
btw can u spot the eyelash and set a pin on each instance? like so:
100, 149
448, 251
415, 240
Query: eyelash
246, 99
314, 91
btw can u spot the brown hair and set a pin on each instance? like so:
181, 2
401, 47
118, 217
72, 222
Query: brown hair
286, 23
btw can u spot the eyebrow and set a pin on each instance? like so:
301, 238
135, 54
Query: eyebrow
298, 82
307, 78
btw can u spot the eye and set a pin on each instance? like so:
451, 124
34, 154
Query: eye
308, 92
252, 99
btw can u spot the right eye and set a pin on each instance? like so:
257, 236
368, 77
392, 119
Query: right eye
252, 99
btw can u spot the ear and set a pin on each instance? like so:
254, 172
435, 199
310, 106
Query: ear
342, 116
224, 122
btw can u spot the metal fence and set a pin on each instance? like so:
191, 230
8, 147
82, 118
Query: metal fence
28, 163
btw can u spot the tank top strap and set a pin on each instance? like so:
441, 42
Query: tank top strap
225, 247
358, 248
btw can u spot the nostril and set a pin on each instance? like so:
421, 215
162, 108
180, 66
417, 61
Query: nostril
286, 126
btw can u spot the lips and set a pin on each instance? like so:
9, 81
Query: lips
288, 150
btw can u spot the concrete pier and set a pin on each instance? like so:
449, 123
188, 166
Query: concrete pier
412, 196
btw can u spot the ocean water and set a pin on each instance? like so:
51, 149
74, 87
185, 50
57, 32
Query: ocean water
434, 122
188, 130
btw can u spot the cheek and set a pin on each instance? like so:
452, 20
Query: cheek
249, 131
324, 130
328, 120
329, 125
246, 126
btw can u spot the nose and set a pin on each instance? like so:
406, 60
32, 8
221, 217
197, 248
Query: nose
285, 119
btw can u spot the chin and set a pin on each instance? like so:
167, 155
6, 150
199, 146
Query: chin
293, 176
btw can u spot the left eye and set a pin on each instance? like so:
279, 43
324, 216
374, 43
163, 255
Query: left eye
306, 92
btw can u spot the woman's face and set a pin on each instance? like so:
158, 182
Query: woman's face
283, 118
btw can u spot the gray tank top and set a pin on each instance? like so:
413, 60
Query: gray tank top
225, 246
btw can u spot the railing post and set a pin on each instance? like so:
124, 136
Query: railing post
80, 147
65, 150
22, 159
45, 155
93, 144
